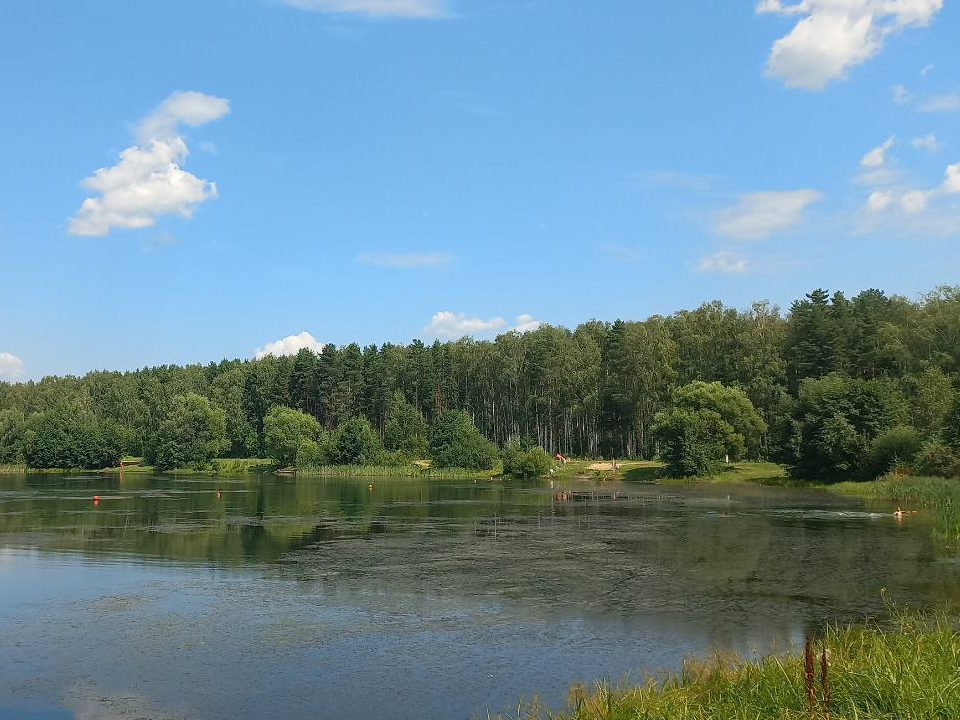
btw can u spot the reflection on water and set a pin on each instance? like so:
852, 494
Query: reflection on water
193, 597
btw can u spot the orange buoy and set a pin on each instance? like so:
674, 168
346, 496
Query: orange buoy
96, 499
370, 486
219, 494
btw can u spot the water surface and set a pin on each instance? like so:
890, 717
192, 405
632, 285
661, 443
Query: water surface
207, 598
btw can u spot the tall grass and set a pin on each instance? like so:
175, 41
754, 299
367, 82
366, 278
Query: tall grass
907, 668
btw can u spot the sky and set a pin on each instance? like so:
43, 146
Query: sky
187, 181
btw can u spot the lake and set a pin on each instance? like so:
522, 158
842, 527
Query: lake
206, 598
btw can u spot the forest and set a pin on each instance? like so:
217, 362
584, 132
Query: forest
836, 388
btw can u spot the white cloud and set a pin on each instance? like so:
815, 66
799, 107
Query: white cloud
148, 181
941, 103
407, 260
835, 35
880, 200
181, 108
901, 96
452, 326
761, 214
290, 345
11, 367
877, 156
423, 9
916, 201
927, 142
526, 323
926, 69
722, 261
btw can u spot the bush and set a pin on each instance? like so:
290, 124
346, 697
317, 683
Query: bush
355, 443
456, 442
285, 431
191, 435
938, 459
310, 454
69, 438
691, 441
404, 429
525, 464
898, 445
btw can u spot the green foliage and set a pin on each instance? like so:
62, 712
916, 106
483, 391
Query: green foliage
939, 460
591, 391
833, 424
355, 443
734, 407
524, 461
456, 442
286, 431
951, 427
899, 444
190, 436
691, 441
67, 437
12, 424
404, 429
310, 453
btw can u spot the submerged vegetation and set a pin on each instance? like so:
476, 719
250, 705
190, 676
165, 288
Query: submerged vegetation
904, 668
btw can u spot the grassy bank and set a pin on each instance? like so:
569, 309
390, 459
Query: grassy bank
905, 669
763, 473
401, 471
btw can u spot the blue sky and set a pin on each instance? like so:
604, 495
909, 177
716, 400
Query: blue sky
373, 170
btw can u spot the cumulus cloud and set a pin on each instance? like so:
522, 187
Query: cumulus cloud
290, 345
452, 326
831, 36
877, 156
417, 9
724, 262
407, 260
941, 103
928, 142
916, 201
148, 181
761, 214
11, 367
526, 323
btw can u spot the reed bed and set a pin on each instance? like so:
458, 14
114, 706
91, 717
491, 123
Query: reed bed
905, 669
938, 496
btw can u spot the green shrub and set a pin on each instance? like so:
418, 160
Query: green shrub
355, 442
285, 431
525, 464
898, 445
456, 442
939, 460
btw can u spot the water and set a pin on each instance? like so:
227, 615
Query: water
309, 599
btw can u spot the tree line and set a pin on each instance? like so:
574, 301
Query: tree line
827, 380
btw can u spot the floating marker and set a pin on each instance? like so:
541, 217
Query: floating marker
219, 494
370, 486
96, 499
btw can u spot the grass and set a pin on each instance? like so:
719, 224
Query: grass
905, 668
939, 496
